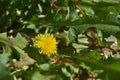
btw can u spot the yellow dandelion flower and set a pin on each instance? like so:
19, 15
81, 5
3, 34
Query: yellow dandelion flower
46, 44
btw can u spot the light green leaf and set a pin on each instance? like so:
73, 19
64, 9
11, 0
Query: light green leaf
44, 67
79, 46
3, 35
38, 76
7, 49
3, 58
84, 66
19, 41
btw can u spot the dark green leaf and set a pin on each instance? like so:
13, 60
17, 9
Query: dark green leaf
4, 73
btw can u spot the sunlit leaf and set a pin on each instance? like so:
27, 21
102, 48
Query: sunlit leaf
44, 67
38, 76
3, 58
19, 41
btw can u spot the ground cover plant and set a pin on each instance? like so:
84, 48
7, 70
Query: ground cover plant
59, 39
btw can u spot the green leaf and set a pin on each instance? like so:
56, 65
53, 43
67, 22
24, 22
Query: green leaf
4, 73
106, 29
79, 46
88, 10
72, 14
93, 54
110, 66
71, 34
113, 18
3, 58
34, 54
84, 66
19, 41
44, 67
3, 35
38, 76
117, 35
111, 1
7, 49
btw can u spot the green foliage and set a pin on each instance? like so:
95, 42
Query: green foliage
87, 31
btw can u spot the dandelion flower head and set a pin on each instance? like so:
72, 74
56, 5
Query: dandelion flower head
46, 44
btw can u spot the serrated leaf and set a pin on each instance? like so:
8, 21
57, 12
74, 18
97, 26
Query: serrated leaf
71, 34
105, 28
19, 41
7, 49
